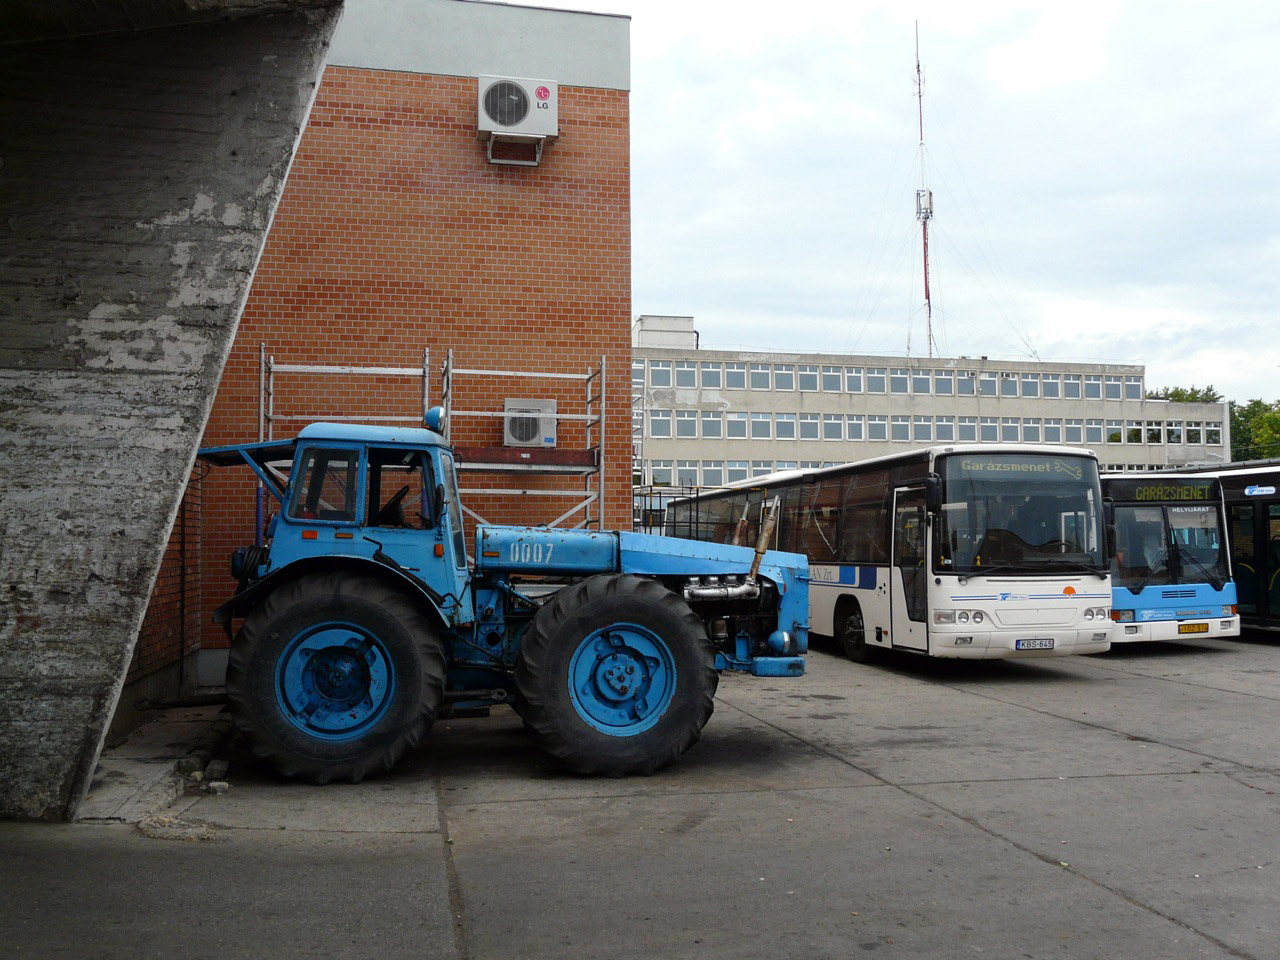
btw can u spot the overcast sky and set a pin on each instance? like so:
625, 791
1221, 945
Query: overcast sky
1106, 179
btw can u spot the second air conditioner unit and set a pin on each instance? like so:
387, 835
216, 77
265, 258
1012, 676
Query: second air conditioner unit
528, 423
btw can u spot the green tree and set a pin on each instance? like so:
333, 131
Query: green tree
1266, 433
1191, 394
1246, 420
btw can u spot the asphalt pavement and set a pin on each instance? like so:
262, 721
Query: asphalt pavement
1115, 806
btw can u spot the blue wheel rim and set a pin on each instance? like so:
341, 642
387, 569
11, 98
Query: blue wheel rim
622, 679
334, 681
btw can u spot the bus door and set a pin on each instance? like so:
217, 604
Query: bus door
1246, 566
908, 577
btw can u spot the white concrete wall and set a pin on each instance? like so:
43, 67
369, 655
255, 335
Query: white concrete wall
140, 172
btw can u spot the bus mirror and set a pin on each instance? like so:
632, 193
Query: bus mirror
1108, 510
933, 493
1111, 541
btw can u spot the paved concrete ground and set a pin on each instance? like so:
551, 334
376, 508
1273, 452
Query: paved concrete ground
1120, 806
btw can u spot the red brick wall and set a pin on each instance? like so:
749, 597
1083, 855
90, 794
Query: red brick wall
173, 623
394, 234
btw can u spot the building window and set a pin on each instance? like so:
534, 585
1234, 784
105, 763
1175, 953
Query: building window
785, 426
1113, 388
875, 379
1093, 431
853, 424
659, 423
1052, 430
990, 429
898, 380
784, 464
809, 426
737, 429
660, 473
1031, 384
1115, 431
832, 378
686, 373
1133, 388
686, 473
735, 376
920, 381
1071, 386
1213, 434
943, 383
968, 430
760, 379
712, 424
784, 376
810, 464
1009, 429
922, 429
832, 426
877, 427
1030, 429
686, 423
1133, 431
1008, 384
1155, 431
900, 428
853, 379
637, 373
808, 375
987, 383
1051, 386
944, 429
659, 373
1174, 431
712, 473
761, 426
1092, 386
964, 383
1195, 430
712, 376
760, 468
1074, 432
735, 470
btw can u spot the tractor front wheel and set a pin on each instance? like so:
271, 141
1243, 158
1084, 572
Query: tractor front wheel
616, 676
334, 676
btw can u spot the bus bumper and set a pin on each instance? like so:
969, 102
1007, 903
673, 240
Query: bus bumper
1175, 629
1041, 643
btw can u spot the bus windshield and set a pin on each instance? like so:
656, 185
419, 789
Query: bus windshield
1157, 545
1019, 513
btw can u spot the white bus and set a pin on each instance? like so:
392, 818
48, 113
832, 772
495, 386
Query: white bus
978, 551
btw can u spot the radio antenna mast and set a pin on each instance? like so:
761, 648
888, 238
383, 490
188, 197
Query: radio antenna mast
924, 200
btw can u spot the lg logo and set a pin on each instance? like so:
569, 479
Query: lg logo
543, 94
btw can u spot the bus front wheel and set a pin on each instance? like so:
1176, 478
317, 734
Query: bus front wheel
852, 634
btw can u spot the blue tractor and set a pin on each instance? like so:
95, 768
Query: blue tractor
364, 617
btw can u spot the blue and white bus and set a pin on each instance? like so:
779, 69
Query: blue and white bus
975, 551
1171, 575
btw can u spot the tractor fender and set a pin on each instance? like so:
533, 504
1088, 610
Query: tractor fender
246, 599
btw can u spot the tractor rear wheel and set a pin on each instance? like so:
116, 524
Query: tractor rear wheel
334, 676
616, 676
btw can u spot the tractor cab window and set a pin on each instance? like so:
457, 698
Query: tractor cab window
400, 488
325, 488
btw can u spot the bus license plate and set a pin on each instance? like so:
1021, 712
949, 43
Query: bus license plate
1193, 628
1034, 644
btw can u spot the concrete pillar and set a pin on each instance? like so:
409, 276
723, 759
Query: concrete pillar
139, 173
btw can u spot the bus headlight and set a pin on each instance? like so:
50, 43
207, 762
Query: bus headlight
1096, 613
958, 616
962, 616
944, 616
977, 616
1228, 609
1122, 616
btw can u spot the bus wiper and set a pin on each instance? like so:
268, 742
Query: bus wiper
1213, 579
983, 571
1077, 565
1160, 566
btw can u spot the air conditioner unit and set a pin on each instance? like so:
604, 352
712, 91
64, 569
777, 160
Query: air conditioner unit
511, 106
528, 423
